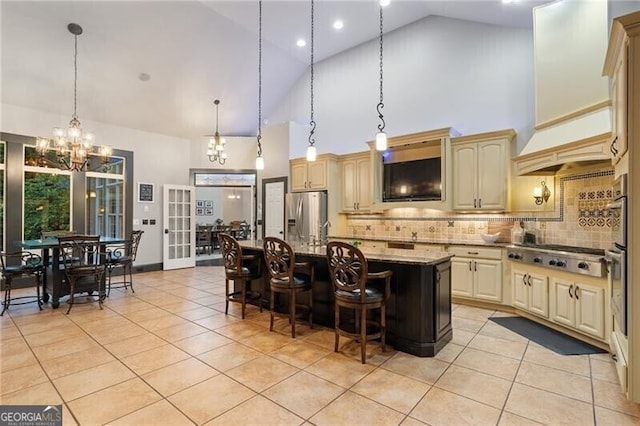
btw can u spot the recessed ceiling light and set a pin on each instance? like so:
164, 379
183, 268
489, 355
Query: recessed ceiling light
301, 43
384, 3
338, 24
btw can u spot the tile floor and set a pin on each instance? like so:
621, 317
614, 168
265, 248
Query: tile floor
168, 355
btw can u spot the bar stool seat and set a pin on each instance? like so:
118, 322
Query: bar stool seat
16, 265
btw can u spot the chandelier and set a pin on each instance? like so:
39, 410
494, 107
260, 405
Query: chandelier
215, 150
72, 143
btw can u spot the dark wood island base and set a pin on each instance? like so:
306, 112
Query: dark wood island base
419, 308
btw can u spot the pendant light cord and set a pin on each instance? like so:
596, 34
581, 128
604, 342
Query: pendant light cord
259, 137
381, 104
312, 123
75, 78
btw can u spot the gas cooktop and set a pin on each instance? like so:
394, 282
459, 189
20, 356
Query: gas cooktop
559, 247
587, 261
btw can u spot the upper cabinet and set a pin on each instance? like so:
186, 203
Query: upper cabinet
481, 171
356, 182
312, 175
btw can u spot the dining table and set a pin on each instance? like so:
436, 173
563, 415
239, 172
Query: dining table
53, 283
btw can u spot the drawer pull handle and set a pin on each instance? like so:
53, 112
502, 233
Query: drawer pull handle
472, 252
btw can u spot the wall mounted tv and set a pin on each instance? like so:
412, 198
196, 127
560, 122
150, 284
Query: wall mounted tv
417, 180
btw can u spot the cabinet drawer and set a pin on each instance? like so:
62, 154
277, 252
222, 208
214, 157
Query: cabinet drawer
476, 252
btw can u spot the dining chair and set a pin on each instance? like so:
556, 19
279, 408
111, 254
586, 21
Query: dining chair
289, 277
123, 256
84, 266
353, 289
204, 240
17, 265
239, 267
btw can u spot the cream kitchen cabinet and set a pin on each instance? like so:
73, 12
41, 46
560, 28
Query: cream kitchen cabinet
311, 175
476, 272
481, 171
530, 292
356, 182
577, 305
616, 67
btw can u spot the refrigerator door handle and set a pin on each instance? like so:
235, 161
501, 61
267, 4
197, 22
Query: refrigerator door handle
299, 219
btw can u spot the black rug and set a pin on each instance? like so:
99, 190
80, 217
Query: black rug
551, 339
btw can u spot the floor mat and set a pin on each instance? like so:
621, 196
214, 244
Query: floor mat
551, 339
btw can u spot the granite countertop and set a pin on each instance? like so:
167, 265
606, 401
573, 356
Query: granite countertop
420, 257
442, 241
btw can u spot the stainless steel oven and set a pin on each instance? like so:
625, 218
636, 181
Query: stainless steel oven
616, 256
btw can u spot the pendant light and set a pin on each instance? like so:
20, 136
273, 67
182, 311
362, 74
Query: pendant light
259, 159
381, 137
215, 150
311, 149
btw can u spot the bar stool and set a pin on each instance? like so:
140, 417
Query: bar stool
21, 264
290, 277
349, 272
123, 256
239, 267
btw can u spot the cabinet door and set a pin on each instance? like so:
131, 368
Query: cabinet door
538, 295
299, 176
317, 175
562, 308
520, 289
462, 277
363, 180
464, 177
349, 187
492, 175
619, 106
589, 302
488, 280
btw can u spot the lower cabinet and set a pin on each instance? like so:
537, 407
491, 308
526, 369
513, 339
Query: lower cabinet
577, 305
530, 292
476, 273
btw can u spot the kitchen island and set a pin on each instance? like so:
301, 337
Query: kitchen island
419, 308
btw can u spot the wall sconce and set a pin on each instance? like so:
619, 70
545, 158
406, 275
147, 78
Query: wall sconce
541, 193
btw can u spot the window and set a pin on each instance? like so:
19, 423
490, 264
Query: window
2, 147
47, 201
105, 200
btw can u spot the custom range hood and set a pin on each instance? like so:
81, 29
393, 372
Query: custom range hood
573, 112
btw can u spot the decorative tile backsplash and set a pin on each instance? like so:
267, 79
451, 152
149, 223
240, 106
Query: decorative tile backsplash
580, 218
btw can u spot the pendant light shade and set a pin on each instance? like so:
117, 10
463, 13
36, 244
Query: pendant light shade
381, 141
311, 153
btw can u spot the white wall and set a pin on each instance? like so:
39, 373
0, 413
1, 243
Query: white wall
438, 72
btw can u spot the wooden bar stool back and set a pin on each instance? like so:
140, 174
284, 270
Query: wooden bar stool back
239, 267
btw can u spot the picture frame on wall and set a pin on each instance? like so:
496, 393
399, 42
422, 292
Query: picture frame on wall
199, 203
199, 211
208, 212
146, 192
208, 203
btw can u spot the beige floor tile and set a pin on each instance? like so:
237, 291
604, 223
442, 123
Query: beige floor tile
557, 381
161, 412
134, 345
326, 338
256, 411
55, 335
9, 332
424, 369
486, 362
410, 421
240, 330
198, 313
300, 354
181, 306
393, 390
201, 343
228, 394
449, 353
373, 352
180, 332
440, 407
549, 408
481, 387
130, 305
351, 408
466, 324
66, 347
85, 316
20, 378
262, 373
462, 337
42, 394
496, 330
45, 323
609, 395
339, 369
471, 312
229, 356
88, 381
113, 402
146, 314
79, 361
217, 321
114, 334
610, 417
14, 354
498, 346
304, 393
604, 370
144, 362
165, 321
266, 341
179, 376
509, 419
577, 364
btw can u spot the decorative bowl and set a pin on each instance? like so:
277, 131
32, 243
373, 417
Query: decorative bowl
490, 238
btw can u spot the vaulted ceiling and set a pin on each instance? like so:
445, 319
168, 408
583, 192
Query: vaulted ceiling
193, 52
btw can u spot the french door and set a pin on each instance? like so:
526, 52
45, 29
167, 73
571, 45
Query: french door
179, 242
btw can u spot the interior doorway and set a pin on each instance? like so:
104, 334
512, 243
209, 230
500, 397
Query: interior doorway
273, 202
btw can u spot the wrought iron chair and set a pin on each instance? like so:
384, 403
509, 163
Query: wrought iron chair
16, 265
290, 277
84, 266
239, 267
349, 272
123, 256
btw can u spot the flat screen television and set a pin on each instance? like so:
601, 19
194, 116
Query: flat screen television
418, 180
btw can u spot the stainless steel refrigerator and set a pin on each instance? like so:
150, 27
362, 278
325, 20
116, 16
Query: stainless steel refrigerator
307, 217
